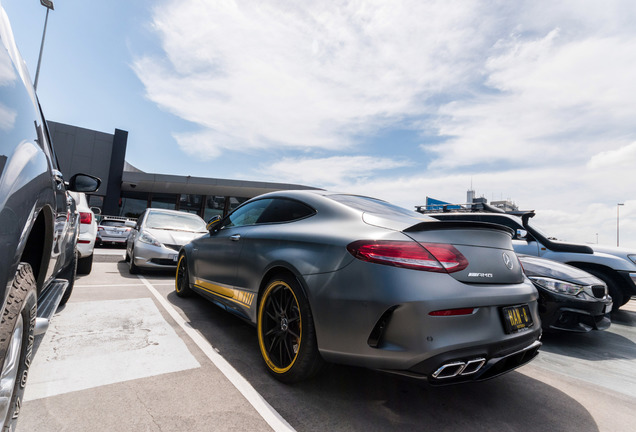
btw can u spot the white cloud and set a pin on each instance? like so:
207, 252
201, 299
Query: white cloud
623, 157
305, 75
533, 99
330, 172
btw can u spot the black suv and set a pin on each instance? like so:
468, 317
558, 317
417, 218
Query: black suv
38, 225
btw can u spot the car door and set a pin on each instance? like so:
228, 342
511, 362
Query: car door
65, 229
216, 256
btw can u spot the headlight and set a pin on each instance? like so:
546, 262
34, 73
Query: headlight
632, 257
144, 237
558, 286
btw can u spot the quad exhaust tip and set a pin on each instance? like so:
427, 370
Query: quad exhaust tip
453, 369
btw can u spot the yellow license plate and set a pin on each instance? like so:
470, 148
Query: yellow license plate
517, 318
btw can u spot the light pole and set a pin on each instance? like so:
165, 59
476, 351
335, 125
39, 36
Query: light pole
618, 205
48, 4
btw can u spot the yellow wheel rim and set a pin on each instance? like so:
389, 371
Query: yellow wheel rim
279, 327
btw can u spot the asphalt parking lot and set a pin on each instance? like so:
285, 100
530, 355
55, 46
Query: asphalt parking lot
126, 354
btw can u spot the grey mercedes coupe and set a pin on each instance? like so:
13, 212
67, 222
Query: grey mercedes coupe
355, 280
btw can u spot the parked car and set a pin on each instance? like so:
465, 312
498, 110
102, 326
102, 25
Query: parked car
38, 226
569, 298
155, 240
355, 280
616, 267
113, 230
87, 233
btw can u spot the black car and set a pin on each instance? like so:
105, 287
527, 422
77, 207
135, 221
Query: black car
569, 298
38, 226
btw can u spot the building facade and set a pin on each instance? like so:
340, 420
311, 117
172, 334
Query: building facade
128, 191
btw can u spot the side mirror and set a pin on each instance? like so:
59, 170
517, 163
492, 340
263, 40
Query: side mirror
521, 234
213, 223
96, 210
84, 183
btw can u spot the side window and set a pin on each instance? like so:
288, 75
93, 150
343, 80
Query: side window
247, 214
285, 210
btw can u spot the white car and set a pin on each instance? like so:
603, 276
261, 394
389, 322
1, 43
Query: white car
88, 231
155, 241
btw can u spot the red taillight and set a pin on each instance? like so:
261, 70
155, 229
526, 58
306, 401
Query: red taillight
84, 241
452, 312
86, 218
434, 257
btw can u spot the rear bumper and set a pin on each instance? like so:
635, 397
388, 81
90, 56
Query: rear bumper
85, 245
473, 365
111, 239
379, 317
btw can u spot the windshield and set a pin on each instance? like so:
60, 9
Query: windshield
176, 222
540, 231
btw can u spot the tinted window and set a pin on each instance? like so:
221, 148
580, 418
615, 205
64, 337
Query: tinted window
247, 214
114, 223
284, 210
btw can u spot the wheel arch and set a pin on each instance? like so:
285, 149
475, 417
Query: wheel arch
38, 244
281, 269
610, 272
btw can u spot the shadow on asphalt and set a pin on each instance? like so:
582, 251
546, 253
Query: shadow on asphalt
352, 399
624, 317
615, 343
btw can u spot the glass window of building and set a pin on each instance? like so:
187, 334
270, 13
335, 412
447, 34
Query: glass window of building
133, 204
164, 201
235, 202
214, 206
190, 203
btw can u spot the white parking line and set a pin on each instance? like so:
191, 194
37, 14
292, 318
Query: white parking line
120, 285
269, 414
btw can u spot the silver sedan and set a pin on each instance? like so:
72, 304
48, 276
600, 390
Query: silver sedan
355, 280
159, 234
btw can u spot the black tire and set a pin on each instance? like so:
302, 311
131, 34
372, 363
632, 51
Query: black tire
181, 280
85, 265
619, 298
132, 268
286, 332
69, 273
16, 343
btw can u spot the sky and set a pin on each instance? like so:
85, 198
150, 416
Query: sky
531, 101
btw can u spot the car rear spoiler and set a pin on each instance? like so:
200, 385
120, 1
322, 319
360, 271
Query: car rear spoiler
440, 225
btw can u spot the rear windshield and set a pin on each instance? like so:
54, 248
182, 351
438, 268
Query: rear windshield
114, 223
373, 205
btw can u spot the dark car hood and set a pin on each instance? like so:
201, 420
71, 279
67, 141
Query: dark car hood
535, 266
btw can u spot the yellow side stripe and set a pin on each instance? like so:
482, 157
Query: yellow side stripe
237, 296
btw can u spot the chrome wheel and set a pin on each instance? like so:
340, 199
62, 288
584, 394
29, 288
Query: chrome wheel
11, 367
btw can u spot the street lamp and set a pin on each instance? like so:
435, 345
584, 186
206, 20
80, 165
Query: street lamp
617, 234
48, 4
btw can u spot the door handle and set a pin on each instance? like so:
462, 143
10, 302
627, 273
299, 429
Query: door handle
235, 237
